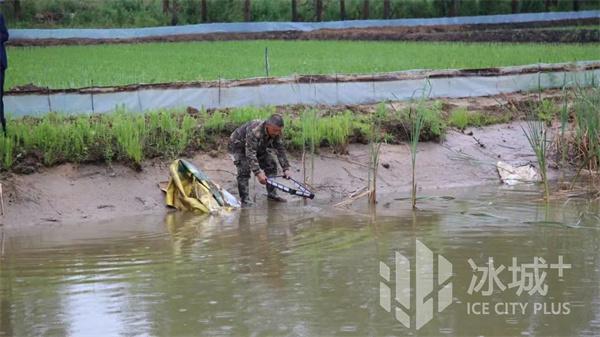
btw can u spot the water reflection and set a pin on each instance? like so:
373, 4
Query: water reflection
301, 270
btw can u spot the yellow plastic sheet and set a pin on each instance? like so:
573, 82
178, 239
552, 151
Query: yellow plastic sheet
191, 190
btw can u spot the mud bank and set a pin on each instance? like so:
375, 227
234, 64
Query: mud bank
91, 193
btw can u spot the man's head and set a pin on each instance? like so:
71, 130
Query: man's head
274, 125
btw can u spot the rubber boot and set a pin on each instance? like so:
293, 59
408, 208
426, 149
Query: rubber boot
272, 194
244, 195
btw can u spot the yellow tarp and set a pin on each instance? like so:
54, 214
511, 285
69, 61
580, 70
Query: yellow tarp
190, 189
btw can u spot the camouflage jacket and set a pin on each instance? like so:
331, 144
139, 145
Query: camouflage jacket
252, 139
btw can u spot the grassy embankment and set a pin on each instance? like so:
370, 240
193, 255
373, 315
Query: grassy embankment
131, 137
110, 65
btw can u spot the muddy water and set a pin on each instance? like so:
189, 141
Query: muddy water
308, 270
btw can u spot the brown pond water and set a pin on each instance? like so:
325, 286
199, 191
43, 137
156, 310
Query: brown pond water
306, 270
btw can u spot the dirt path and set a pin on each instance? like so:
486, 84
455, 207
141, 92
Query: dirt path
91, 193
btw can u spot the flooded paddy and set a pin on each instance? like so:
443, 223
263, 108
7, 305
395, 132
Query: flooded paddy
311, 270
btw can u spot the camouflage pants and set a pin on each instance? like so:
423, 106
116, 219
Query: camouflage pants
267, 163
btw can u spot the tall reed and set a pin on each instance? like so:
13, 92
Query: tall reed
587, 129
416, 116
536, 134
375, 141
310, 133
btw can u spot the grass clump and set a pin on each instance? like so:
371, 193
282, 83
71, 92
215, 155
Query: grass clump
7, 146
536, 134
334, 130
399, 124
434, 126
168, 132
129, 131
546, 111
461, 118
587, 121
585, 141
224, 121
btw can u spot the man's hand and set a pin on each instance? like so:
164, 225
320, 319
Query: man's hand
262, 178
287, 174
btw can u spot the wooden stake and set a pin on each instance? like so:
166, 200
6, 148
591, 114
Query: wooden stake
1, 201
2, 248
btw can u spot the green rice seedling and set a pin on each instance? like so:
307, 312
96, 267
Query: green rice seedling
129, 130
21, 131
536, 134
335, 130
79, 137
459, 118
546, 111
239, 116
432, 120
587, 129
433, 126
375, 141
417, 118
104, 144
50, 137
564, 122
310, 133
215, 122
7, 148
159, 125
293, 132
588, 124
311, 129
462, 118
10, 143
186, 134
154, 130
168, 132
494, 119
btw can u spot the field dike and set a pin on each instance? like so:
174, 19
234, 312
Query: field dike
302, 90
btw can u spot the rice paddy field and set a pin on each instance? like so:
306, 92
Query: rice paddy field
120, 64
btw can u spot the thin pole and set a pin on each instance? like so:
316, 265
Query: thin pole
267, 61
219, 90
92, 94
1, 201
49, 103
